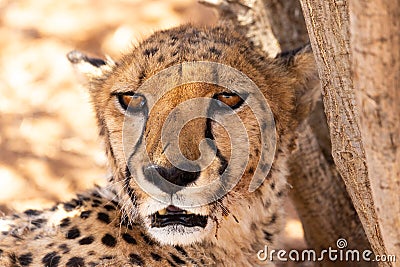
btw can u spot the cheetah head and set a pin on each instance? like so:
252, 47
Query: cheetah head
191, 120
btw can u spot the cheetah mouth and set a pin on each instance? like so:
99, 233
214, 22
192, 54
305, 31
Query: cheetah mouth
173, 216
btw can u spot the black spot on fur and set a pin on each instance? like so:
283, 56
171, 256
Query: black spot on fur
161, 59
75, 262
71, 205
147, 239
107, 257
25, 259
1, 251
174, 38
181, 250
136, 259
73, 233
174, 53
38, 222
142, 75
95, 194
109, 240
215, 51
64, 248
109, 207
268, 236
150, 52
129, 239
85, 214
272, 185
103, 217
51, 259
273, 219
125, 222
279, 194
155, 256
86, 240
171, 263
91, 253
50, 245
33, 212
65, 222
176, 259
13, 259
96, 203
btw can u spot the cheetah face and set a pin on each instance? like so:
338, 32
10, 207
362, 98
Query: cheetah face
187, 145
189, 119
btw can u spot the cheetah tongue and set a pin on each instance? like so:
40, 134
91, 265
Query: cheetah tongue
188, 220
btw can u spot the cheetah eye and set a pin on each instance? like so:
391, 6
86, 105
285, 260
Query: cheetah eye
131, 102
230, 99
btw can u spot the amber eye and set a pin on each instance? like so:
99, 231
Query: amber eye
131, 102
230, 99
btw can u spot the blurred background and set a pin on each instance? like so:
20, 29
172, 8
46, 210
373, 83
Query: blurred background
49, 148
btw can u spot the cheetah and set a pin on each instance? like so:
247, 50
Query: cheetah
150, 213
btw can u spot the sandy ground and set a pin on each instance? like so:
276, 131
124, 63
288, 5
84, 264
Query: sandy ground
49, 148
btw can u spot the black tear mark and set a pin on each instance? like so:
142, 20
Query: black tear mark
129, 190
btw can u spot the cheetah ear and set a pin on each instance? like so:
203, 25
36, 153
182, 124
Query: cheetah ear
301, 65
90, 68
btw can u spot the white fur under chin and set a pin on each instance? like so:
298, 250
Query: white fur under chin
181, 235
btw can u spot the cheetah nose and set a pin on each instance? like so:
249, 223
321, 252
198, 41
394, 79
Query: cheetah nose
172, 179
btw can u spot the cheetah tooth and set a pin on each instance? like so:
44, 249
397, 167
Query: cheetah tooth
162, 212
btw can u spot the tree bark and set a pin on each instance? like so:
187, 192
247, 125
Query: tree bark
375, 50
328, 26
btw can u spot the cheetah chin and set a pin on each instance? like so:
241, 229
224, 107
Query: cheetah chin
172, 225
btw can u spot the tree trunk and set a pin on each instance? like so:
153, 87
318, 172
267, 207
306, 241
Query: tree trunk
375, 50
359, 149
